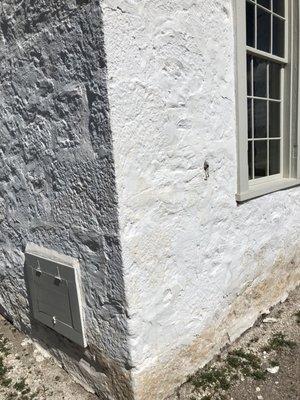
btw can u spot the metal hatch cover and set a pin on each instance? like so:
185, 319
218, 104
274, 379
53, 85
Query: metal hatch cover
55, 291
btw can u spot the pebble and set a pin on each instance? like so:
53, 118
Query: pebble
26, 342
273, 370
258, 389
270, 320
260, 398
39, 358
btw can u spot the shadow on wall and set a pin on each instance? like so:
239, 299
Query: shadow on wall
57, 183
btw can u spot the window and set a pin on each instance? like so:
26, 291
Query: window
267, 43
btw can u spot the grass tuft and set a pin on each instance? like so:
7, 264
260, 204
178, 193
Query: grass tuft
259, 375
279, 341
4, 349
3, 369
21, 385
211, 377
6, 382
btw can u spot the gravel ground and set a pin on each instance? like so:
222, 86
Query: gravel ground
27, 374
264, 364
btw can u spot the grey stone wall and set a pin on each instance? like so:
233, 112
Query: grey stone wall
57, 184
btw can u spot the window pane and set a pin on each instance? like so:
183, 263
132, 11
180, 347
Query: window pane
250, 13
274, 157
250, 162
275, 70
265, 3
263, 30
274, 119
260, 118
278, 7
278, 36
249, 118
260, 77
260, 158
249, 76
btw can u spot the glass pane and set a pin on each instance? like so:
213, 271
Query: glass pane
278, 7
260, 158
265, 3
249, 77
250, 162
275, 70
274, 157
274, 119
249, 118
250, 15
263, 30
260, 77
260, 118
278, 37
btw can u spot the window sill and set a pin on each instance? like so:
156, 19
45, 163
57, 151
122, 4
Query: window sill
266, 188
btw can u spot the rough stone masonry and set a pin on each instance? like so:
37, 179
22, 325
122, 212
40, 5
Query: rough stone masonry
108, 111
57, 184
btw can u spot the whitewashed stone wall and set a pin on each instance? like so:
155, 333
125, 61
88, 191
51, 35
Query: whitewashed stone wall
57, 186
199, 268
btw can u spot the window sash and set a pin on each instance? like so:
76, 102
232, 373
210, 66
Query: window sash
268, 139
290, 166
273, 15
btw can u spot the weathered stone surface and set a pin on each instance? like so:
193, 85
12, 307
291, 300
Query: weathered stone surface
193, 259
191, 254
57, 185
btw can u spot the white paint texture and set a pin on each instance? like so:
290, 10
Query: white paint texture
199, 268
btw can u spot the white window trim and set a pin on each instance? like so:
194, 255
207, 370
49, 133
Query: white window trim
290, 177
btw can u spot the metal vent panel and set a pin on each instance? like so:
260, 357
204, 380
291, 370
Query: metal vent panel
55, 291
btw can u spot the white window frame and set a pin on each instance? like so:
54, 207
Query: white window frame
290, 157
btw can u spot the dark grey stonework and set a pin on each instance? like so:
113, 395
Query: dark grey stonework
57, 184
